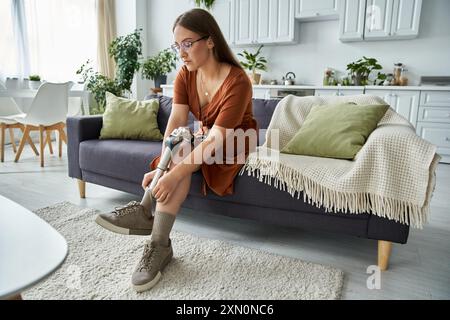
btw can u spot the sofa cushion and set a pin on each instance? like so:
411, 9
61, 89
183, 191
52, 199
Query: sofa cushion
263, 111
130, 119
121, 159
335, 131
165, 107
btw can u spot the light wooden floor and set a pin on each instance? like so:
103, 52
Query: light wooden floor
418, 270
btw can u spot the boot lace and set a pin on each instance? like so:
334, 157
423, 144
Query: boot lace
126, 209
151, 252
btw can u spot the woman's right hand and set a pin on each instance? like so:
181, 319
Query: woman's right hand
148, 177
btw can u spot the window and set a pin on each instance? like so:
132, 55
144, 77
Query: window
62, 35
8, 60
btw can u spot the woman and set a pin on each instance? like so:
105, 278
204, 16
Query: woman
214, 87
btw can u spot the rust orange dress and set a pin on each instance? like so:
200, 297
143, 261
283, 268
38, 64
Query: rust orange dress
230, 107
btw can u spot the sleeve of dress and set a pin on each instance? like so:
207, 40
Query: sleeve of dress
235, 102
180, 88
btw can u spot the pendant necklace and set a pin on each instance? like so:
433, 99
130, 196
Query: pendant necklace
203, 85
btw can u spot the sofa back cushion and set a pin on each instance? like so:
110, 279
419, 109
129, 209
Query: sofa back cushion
262, 111
130, 119
165, 107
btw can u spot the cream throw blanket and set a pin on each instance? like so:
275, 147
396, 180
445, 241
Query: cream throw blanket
392, 176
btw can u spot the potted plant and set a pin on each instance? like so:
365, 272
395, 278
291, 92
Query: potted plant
252, 63
157, 67
34, 82
205, 3
126, 51
361, 70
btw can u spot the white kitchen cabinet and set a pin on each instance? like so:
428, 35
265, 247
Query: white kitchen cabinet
439, 135
379, 19
435, 99
352, 18
406, 19
284, 26
317, 9
264, 22
224, 13
261, 93
392, 19
245, 22
434, 121
404, 102
335, 91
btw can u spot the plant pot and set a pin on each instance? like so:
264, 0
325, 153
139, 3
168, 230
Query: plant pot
255, 78
160, 80
34, 85
359, 80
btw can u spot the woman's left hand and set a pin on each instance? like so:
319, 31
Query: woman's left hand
165, 187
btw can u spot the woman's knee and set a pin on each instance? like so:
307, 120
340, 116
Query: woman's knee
178, 196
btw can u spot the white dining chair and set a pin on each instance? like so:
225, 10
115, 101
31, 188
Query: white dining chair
8, 109
48, 112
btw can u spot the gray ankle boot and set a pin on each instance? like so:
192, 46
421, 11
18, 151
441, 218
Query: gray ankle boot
131, 219
148, 272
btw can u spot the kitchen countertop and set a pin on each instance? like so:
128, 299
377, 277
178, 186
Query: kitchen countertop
417, 88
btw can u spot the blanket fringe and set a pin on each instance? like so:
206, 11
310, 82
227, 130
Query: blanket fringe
292, 181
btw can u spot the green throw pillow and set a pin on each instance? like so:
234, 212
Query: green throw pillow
130, 119
335, 131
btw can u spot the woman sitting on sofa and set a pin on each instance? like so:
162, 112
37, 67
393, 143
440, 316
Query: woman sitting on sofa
214, 87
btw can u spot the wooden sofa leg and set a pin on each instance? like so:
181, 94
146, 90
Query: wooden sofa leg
82, 188
384, 252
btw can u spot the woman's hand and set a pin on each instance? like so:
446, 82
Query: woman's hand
148, 177
165, 187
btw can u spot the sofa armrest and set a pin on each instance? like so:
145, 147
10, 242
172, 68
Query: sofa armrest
80, 129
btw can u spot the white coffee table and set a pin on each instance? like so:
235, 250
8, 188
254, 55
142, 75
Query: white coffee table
30, 249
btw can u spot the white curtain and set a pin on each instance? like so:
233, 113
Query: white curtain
19, 23
62, 36
51, 38
8, 54
106, 34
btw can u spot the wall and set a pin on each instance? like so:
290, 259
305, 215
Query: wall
319, 45
132, 15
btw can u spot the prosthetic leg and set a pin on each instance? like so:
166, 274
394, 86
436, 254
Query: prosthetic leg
172, 144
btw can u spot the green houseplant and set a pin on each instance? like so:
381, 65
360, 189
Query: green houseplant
35, 77
34, 82
206, 3
253, 62
98, 84
126, 51
157, 67
361, 70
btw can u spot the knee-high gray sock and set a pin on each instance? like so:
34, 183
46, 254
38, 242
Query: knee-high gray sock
162, 225
147, 201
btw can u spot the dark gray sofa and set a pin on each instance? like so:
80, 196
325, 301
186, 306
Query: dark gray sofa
121, 164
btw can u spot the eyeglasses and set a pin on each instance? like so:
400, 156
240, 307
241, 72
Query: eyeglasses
185, 45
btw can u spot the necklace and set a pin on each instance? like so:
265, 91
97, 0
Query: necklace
202, 83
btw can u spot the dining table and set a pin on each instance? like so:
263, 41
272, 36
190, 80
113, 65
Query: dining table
77, 90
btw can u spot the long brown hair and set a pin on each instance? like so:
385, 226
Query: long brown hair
202, 22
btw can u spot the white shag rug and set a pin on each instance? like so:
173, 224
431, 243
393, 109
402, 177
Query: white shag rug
100, 264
